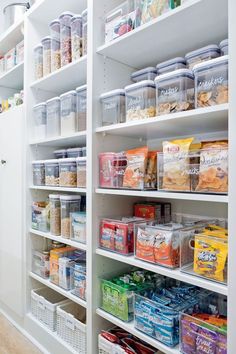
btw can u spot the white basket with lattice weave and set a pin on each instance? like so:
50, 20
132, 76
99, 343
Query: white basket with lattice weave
71, 327
106, 347
44, 302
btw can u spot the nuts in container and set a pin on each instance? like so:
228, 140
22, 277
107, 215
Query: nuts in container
65, 37
140, 100
211, 82
55, 214
67, 172
202, 54
51, 173
38, 62
175, 91
81, 172
69, 204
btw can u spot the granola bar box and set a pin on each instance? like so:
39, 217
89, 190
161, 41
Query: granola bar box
211, 82
174, 92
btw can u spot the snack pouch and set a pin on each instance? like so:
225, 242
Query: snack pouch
107, 235
176, 165
213, 174
145, 245
167, 248
210, 255
188, 336
150, 178
206, 341
136, 167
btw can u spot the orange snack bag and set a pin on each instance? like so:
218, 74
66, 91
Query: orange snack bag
145, 245
136, 167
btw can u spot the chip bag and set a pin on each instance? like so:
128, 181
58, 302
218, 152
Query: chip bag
136, 168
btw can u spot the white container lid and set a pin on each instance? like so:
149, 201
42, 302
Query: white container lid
76, 17
70, 197
59, 151
117, 92
210, 63
42, 104
56, 21
142, 83
208, 48
54, 196
48, 38
53, 99
38, 46
170, 62
66, 13
52, 161
68, 160
149, 69
224, 43
38, 162
179, 72
74, 149
81, 88
81, 159
84, 12
72, 92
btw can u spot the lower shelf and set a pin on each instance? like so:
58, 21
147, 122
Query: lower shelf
129, 327
63, 292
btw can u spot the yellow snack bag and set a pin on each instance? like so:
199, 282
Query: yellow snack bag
210, 256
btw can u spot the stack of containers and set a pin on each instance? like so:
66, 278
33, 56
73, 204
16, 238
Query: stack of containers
65, 37
76, 37
56, 53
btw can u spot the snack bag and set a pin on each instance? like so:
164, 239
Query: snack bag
150, 178
136, 167
176, 165
213, 176
167, 248
145, 245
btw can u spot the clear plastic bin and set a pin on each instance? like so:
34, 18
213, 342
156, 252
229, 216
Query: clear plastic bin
81, 108
224, 47
117, 235
76, 37
66, 266
53, 117
113, 107
74, 152
81, 171
55, 29
202, 54
69, 204
151, 9
10, 59
60, 154
47, 47
211, 82
20, 52
41, 263
55, 55
111, 169
67, 172
55, 214
38, 173
40, 121
55, 255
148, 73
85, 31
84, 151
78, 227
51, 173
171, 65
175, 91
65, 37
40, 216
120, 20
68, 113
80, 281
140, 100
38, 62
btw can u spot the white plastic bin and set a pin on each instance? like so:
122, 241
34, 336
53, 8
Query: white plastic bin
40, 121
53, 117
68, 113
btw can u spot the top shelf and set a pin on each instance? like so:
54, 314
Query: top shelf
175, 33
11, 37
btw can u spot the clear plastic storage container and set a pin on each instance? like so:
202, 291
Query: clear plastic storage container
144, 74
40, 216
175, 91
78, 226
69, 204
65, 37
53, 117
51, 172
81, 108
38, 62
81, 172
55, 55
140, 100
55, 214
85, 31
68, 113
171, 65
149, 10
40, 121
113, 107
84, 151
47, 47
203, 54
60, 154
76, 37
211, 82
55, 29
68, 172
40, 263
38, 173
10, 59
74, 152
224, 47
20, 52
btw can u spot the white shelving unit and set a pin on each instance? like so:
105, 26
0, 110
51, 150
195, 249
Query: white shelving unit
108, 66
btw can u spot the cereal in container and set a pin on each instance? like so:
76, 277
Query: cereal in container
53, 117
140, 100
202, 54
65, 37
38, 62
81, 172
68, 113
85, 31
40, 121
55, 214
76, 37
56, 55
68, 172
47, 46
38, 173
69, 204
81, 121
51, 172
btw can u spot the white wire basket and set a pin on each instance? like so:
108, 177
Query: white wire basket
106, 347
44, 302
71, 327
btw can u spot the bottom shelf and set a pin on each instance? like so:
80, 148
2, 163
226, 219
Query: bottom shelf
129, 327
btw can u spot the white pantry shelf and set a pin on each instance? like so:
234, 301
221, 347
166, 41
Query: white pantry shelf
66, 241
12, 36
59, 189
61, 291
69, 77
201, 120
77, 139
214, 198
129, 327
172, 273
13, 78
173, 34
